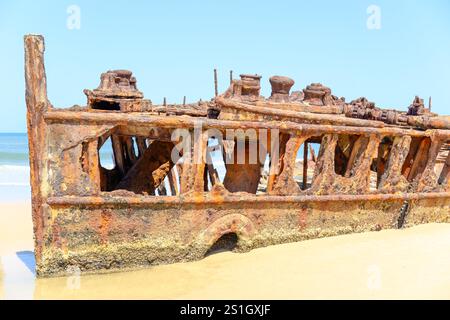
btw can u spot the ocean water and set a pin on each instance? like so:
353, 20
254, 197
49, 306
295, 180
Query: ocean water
14, 168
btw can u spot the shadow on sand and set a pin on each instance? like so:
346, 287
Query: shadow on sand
27, 257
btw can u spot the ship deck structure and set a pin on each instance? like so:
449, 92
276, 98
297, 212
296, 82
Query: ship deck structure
296, 165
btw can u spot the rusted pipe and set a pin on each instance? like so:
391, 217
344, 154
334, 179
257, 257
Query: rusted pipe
304, 116
147, 119
94, 201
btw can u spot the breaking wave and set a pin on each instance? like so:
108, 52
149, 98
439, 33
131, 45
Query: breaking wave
14, 175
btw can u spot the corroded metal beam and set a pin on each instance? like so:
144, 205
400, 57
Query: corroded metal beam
150, 120
230, 198
37, 104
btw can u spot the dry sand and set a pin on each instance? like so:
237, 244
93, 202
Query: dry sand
410, 263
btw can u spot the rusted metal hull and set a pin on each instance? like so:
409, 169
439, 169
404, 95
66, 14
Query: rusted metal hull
109, 234
151, 208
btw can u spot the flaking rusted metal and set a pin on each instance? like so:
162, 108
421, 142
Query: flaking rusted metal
363, 168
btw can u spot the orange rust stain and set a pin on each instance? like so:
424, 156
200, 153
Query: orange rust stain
56, 239
105, 222
303, 217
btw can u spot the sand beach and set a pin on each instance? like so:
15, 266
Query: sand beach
410, 263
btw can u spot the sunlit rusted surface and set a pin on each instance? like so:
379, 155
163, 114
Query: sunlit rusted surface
363, 168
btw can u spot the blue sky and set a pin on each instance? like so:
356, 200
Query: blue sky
173, 46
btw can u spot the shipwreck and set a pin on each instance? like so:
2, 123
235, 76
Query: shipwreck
296, 165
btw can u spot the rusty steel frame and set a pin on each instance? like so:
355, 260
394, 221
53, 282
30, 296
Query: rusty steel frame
101, 219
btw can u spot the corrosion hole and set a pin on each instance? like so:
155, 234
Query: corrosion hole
403, 213
84, 159
106, 105
227, 242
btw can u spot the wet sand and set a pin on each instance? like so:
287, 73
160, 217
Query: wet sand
412, 263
